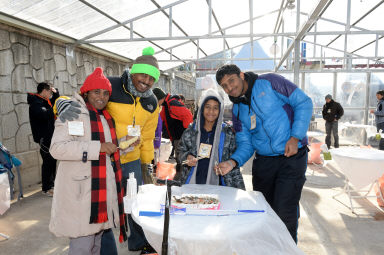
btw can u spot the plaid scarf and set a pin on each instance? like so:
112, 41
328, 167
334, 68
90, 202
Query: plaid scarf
99, 174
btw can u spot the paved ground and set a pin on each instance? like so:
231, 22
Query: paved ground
327, 226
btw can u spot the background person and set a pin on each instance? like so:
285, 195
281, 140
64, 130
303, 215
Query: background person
332, 112
379, 115
176, 118
42, 120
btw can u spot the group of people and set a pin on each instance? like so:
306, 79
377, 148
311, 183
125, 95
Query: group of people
271, 116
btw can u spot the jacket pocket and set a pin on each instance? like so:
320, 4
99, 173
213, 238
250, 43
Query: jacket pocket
80, 185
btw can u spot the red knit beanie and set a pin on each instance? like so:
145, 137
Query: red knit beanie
96, 80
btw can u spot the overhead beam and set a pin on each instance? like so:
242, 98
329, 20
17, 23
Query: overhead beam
358, 20
304, 29
118, 25
374, 32
129, 21
177, 25
218, 23
39, 30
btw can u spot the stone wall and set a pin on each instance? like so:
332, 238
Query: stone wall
25, 60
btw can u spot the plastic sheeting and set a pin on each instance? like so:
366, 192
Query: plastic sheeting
252, 233
361, 166
5, 201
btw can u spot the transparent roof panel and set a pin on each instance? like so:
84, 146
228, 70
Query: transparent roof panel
123, 10
192, 16
81, 19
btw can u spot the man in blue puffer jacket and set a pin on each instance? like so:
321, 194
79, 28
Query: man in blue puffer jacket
271, 116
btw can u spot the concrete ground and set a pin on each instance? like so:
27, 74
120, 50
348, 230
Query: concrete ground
327, 226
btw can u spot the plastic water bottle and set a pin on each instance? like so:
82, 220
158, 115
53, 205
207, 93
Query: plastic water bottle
131, 193
132, 186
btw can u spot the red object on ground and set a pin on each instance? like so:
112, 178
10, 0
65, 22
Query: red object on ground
381, 185
314, 153
165, 170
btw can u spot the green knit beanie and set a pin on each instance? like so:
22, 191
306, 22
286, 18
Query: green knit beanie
147, 64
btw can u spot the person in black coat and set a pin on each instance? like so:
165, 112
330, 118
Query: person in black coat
42, 120
332, 112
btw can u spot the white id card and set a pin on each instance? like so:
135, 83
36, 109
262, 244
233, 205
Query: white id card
253, 121
205, 150
133, 130
76, 128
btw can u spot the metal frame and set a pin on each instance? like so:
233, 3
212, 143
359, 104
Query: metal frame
347, 190
221, 33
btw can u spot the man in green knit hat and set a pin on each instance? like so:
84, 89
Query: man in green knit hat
134, 108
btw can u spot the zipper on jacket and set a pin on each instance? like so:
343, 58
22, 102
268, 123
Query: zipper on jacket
262, 124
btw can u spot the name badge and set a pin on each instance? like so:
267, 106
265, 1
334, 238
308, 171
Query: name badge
253, 121
205, 150
133, 130
76, 128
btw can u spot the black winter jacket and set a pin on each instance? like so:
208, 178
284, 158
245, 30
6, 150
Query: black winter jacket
41, 118
332, 110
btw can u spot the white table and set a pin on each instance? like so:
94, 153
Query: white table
252, 233
360, 166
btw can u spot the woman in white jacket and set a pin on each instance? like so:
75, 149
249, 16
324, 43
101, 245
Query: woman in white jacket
88, 193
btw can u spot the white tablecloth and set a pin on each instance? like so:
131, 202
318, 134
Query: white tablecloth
253, 233
361, 166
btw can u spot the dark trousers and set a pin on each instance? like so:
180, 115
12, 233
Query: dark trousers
332, 127
48, 170
381, 143
281, 181
136, 239
108, 243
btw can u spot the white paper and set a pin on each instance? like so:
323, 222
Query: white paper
76, 128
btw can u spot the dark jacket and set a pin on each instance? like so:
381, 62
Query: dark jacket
41, 118
332, 110
188, 146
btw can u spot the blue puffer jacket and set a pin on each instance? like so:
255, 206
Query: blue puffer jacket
282, 110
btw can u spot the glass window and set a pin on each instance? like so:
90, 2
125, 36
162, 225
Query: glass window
351, 89
377, 83
317, 86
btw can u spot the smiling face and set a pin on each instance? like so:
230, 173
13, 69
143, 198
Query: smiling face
211, 111
142, 81
98, 98
233, 84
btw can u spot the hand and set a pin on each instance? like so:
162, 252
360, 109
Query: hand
108, 148
53, 90
192, 161
131, 147
372, 111
135, 143
67, 110
291, 147
225, 167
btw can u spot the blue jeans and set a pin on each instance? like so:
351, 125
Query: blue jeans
136, 239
